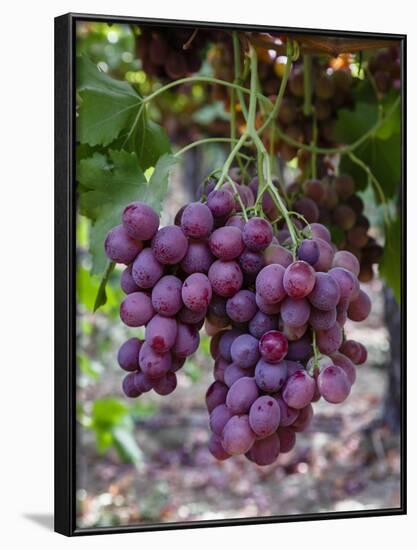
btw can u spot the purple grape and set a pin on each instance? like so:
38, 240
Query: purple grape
226, 243
217, 306
233, 372
244, 351
251, 262
322, 320
268, 309
264, 416
299, 279
197, 220
187, 340
219, 417
353, 350
146, 270
196, 292
309, 251
270, 377
299, 390
129, 387
216, 395
136, 309
127, 283
341, 313
154, 365
225, 277
198, 258
329, 341
295, 313
242, 306
221, 203
286, 439
191, 317
348, 283
344, 217
320, 231
238, 436
177, 363
142, 382
293, 333
273, 346
360, 308
242, 394
166, 296
293, 367
166, 384
265, 451
346, 365
347, 260
161, 333
277, 254
220, 366
140, 221
128, 354
169, 245
326, 255
226, 341
326, 292
236, 221
216, 448
307, 208
333, 384
288, 415
300, 350
120, 247
257, 234
261, 323
205, 188
269, 284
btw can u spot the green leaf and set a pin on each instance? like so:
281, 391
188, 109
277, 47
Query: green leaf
126, 445
390, 265
108, 412
149, 141
351, 125
107, 105
101, 297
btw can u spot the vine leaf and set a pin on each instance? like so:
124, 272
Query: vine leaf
107, 105
390, 265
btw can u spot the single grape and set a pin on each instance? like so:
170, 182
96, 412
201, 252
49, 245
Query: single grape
326, 292
129, 387
293, 333
196, 292
273, 346
309, 251
257, 234
127, 284
251, 262
216, 395
360, 308
225, 277
314, 189
166, 384
326, 255
298, 390
146, 270
330, 340
348, 283
219, 417
154, 365
269, 284
197, 220
270, 377
233, 372
295, 313
216, 448
264, 416
286, 439
300, 350
303, 420
236, 221
226, 243
345, 186
322, 320
288, 415
347, 260
242, 306
261, 323
265, 451
166, 296
120, 247
320, 231
299, 279
242, 394
169, 245
161, 333
244, 351
187, 340
221, 202
140, 221
142, 382
333, 384
344, 217
226, 341
346, 365
128, 354
277, 254
136, 309
197, 259
308, 209
238, 436
354, 350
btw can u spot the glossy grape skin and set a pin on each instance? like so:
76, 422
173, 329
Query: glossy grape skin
300, 350
197, 220
333, 384
320, 231
354, 350
287, 439
326, 255
128, 354
161, 333
295, 313
187, 340
219, 417
348, 283
265, 451
154, 365
308, 251
189, 317
298, 390
264, 416
226, 341
269, 284
146, 270
299, 279
329, 341
136, 309
257, 234
345, 259
307, 208
270, 377
326, 292
242, 306
196, 292
225, 277
238, 437
140, 221
236, 221
277, 254
314, 189
244, 351
221, 202
120, 247
251, 262
216, 395
166, 384
242, 394
129, 387
346, 365
166, 296
360, 308
322, 320
261, 323
273, 346
142, 382
268, 309
127, 284
288, 415
226, 243
197, 259
169, 245
293, 333
216, 448
233, 372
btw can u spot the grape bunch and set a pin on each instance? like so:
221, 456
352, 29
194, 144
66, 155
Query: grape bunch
275, 316
385, 68
332, 202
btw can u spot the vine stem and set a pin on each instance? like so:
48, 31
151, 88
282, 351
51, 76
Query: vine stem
208, 140
229, 160
238, 80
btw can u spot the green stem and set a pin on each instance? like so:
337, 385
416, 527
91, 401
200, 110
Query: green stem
237, 197
204, 141
238, 80
229, 160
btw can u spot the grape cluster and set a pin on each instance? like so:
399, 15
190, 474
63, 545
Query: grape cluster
385, 68
275, 317
332, 202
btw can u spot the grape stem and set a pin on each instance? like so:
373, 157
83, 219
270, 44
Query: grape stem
317, 353
204, 141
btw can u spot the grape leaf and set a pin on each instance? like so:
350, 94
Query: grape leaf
390, 265
107, 105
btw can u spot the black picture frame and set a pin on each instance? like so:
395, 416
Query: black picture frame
65, 264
